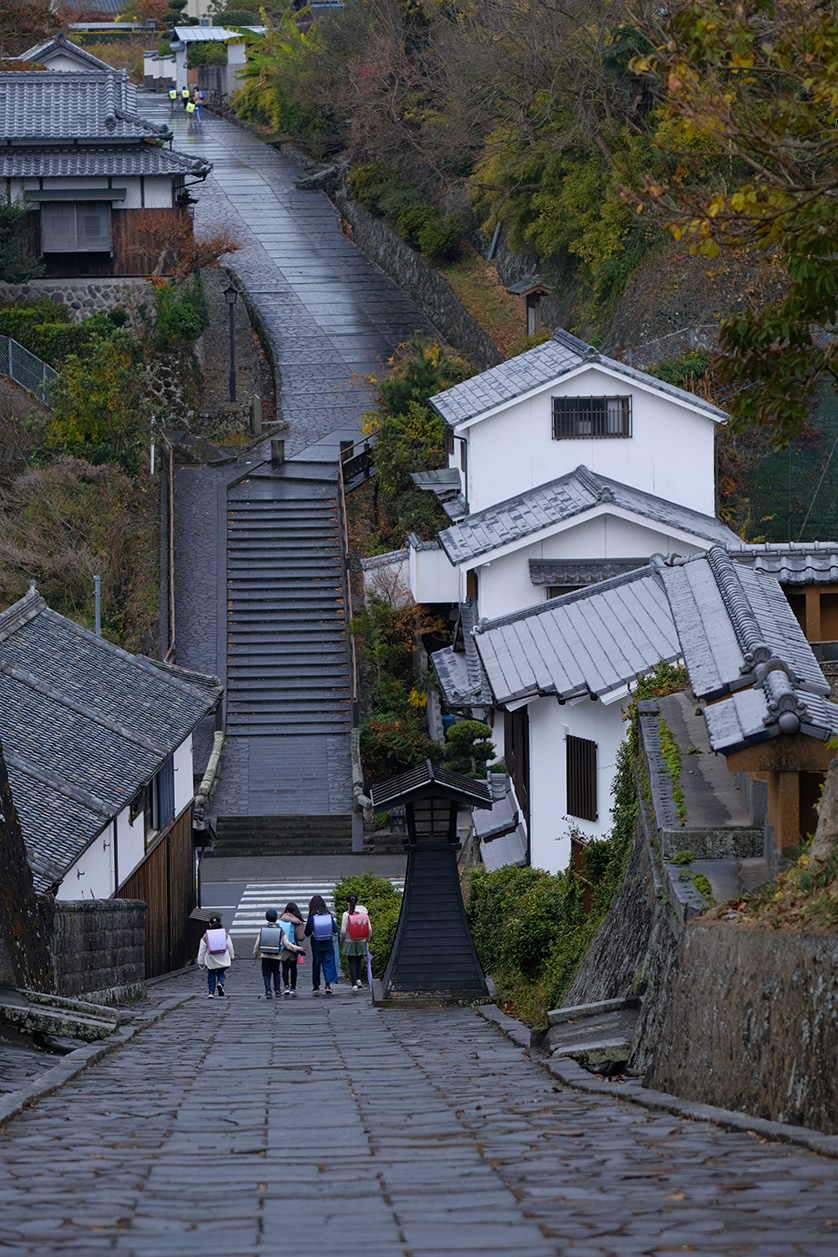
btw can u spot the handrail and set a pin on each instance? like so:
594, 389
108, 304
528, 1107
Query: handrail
164, 440
349, 607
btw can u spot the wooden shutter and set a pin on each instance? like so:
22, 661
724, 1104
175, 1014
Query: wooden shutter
581, 778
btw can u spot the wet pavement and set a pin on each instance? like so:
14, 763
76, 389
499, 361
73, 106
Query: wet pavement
246, 1127
333, 317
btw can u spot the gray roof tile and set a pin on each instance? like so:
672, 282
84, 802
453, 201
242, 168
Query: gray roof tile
537, 368
730, 621
580, 572
60, 162
84, 726
592, 642
579, 491
85, 104
795, 563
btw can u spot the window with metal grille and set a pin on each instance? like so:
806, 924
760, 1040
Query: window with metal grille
556, 591
76, 227
581, 778
591, 417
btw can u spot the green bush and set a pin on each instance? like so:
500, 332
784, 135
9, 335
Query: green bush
390, 746
469, 747
384, 904
182, 312
390, 697
416, 219
45, 330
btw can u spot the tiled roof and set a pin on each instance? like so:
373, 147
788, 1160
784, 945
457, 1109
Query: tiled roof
62, 162
212, 34
47, 49
795, 563
580, 572
753, 716
83, 105
732, 621
460, 672
594, 641
579, 491
538, 368
428, 780
84, 726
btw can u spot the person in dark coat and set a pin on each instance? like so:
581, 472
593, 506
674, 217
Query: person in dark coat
321, 928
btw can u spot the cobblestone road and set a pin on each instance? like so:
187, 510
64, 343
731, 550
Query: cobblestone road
241, 1127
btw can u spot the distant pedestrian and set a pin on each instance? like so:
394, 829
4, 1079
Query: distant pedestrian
172, 99
216, 955
184, 96
267, 948
200, 97
321, 928
355, 935
292, 920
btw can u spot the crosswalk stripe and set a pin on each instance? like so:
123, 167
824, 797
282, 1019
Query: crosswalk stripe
257, 897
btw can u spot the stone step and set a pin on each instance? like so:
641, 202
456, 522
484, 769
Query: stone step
283, 835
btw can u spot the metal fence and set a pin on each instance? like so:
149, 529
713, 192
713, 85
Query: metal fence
25, 368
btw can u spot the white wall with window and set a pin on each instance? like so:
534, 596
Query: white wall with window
551, 819
124, 842
614, 426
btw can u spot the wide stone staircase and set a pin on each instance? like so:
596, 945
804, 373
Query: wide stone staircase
288, 672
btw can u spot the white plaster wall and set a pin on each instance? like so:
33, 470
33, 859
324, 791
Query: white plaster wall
670, 452
158, 193
432, 577
184, 784
504, 584
131, 844
550, 823
91, 875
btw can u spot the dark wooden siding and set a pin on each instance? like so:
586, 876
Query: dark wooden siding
124, 258
433, 950
166, 881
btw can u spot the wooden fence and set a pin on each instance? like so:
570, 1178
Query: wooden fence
166, 881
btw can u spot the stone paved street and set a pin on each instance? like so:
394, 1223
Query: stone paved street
244, 1127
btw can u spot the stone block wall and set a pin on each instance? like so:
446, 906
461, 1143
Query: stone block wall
420, 282
98, 949
82, 297
752, 1023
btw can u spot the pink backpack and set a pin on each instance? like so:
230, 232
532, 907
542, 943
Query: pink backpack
216, 941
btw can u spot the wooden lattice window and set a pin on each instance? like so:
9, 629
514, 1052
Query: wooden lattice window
581, 778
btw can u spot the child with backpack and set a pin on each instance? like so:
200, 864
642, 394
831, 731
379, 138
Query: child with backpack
292, 921
215, 955
355, 935
271, 945
321, 929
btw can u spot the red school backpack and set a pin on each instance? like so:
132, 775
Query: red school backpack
358, 926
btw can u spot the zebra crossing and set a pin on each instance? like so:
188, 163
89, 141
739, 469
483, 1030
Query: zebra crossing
257, 897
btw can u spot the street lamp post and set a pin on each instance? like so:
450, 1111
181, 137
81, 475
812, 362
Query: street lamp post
231, 295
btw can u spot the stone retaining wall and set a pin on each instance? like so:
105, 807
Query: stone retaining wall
420, 282
752, 1023
98, 949
82, 297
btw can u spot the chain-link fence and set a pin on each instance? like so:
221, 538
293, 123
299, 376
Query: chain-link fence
25, 368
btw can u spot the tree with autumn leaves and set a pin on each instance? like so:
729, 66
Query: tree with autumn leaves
752, 95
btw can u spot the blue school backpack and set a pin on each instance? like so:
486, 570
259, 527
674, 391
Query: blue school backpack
287, 928
323, 927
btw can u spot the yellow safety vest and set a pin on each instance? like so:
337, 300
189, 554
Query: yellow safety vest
190, 108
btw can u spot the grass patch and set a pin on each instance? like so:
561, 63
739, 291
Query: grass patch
804, 897
476, 283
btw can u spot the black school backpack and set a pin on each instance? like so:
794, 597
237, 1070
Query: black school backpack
270, 940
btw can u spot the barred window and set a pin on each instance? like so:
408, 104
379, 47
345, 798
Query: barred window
581, 778
591, 417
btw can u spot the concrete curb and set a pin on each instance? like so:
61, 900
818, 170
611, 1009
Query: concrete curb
75, 1062
573, 1075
